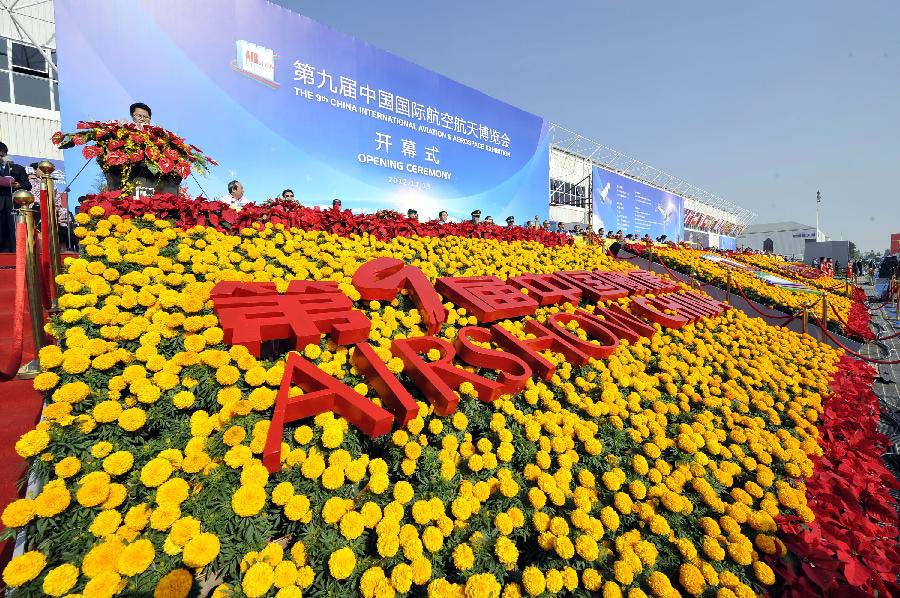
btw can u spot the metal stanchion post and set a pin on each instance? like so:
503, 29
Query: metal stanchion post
650, 251
46, 167
897, 310
805, 319
824, 322
27, 212
728, 288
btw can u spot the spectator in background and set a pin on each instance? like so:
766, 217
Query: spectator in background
561, 228
235, 197
510, 221
476, 215
488, 219
140, 113
443, 217
14, 179
601, 232
412, 214
287, 194
336, 204
546, 225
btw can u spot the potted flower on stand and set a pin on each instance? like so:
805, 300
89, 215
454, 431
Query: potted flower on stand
136, 156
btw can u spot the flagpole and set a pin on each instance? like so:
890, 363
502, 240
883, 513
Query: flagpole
818, 201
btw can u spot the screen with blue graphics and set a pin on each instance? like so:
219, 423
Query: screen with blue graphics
626, 204
281, 101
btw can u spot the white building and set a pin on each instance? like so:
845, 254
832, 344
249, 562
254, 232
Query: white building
29, 97
783, 238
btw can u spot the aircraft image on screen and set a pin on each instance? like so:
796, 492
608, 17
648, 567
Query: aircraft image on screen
604, 194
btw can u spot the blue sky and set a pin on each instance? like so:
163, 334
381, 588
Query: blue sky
762, 103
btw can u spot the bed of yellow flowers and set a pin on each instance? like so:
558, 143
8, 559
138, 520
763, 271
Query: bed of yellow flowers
776, 265
691, 261
656, 472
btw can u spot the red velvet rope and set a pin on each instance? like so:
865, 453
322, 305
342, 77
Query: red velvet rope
45, 286
848, 349
11, 367
45, 244
753, 307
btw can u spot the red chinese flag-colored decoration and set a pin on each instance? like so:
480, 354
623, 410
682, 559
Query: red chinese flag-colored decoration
438, 379
395, 397
548, 289
380, 280
322, 393
251, 313
487, 297
514, 372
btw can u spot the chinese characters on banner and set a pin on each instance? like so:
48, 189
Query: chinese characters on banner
255, 313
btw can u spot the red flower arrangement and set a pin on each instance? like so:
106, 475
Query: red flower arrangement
186, 212
120, 146
850, 549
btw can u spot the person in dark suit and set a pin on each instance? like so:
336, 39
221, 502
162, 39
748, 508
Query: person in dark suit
19, 181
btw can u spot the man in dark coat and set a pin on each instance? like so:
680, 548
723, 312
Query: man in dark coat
12, 178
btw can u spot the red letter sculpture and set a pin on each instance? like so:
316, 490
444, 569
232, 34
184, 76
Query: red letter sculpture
548, 289
251, 313
321, 393
487, 297
380, 280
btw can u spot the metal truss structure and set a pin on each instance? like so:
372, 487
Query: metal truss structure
573, 155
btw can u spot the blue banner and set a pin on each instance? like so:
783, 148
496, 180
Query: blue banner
727, 243
623, 203
281, 101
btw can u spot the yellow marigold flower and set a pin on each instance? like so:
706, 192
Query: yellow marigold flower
463, 557
200, 550
136, 557
118, 462
482, 584
258, 579
45, 381
105, 583
132, 419
32, 443
24, 568
60, 580
175, 584
93, 489
341, 563
155, 472
297, 508
248, 500
18, 513
105, 523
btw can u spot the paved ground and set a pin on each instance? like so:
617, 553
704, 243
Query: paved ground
887, 384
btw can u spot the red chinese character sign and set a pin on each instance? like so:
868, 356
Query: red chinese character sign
254, 313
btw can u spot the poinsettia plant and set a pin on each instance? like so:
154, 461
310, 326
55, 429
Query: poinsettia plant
386, 224
122, 146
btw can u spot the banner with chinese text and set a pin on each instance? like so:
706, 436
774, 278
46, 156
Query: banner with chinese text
282, 101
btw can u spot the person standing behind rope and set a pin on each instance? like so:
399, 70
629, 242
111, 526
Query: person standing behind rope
12, 179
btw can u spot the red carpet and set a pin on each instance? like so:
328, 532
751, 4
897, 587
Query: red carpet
20, 404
